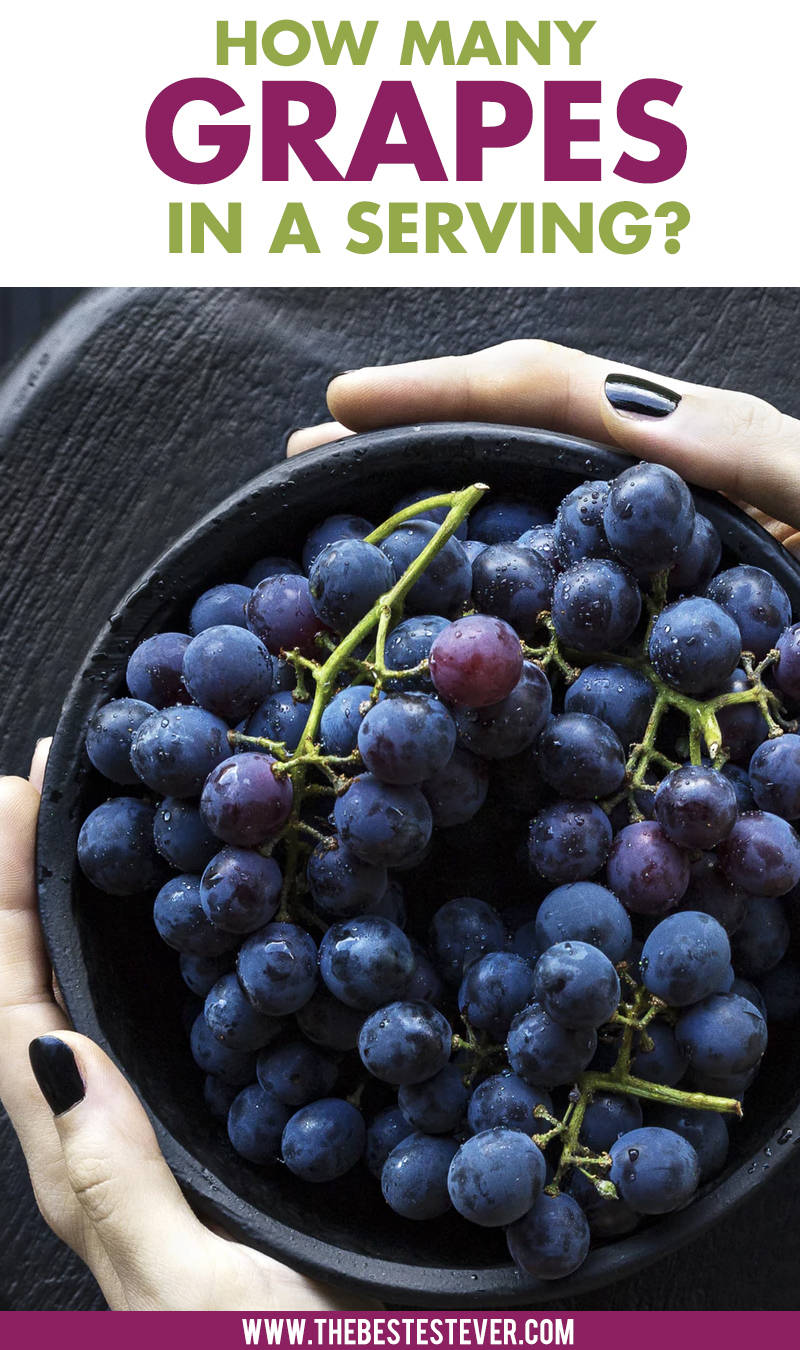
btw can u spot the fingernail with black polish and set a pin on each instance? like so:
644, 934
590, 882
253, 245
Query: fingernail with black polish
337, 374
641, 398
56, 1072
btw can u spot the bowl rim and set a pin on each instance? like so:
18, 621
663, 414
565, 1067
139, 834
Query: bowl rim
402, 1283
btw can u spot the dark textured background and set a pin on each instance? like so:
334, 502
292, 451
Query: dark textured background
138, 410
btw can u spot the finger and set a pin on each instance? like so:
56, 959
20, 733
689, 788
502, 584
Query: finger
126, 1192
27, 1006
308, 438
718, 438
39, 762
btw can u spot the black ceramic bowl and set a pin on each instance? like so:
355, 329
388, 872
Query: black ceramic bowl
121, 984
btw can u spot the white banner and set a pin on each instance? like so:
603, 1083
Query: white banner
616, 144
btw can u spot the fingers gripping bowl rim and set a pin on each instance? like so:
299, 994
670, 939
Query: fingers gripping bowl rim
120, 985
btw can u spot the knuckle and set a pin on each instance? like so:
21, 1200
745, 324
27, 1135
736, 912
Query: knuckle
752, 419
93, 1187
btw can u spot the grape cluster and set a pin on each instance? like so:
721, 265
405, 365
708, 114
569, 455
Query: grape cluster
581, 718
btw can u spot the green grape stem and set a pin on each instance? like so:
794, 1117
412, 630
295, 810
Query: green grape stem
325, 675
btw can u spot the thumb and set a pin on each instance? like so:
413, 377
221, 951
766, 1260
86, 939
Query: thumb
139, 1233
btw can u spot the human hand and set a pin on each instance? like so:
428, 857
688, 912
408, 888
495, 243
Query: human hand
99, 1177
732, 442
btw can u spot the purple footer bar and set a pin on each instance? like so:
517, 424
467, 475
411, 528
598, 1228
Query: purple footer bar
398, 1330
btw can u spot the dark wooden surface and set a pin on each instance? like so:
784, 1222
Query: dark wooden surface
140, 409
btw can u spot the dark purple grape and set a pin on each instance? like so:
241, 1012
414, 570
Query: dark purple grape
685, 957
494, 989
504, 729
109, 736
174, 750
329, 531
695, 806
244, 802
476, 661
543, 1052
607, 1116
461, 931
182, 836
710, 892
444, 586
757, 603
234, 1021
226, 670
646, 870
551, 1240
660, 1059
256, 1121
383, 824
722, 1035
280, 718
699, 560
155, 670
514, 584
200, 973
327, 1022
774, 774
277, 968
579, 531
649, 517
406, 737
580, 756
619, 696
405, 1043
742, 725
182, 922
584, 912
577, 985
596, 605
270, 567
408, 645
240, 890
762, 938
762, 854
745, 801
458, 790
706, 1131
414, 1176
569, 841
500, 520
541, 539
116, 850
787, 671
281, 614
654, 1170
506, 1099
341, 884
391, 905
235, 1067
436, 1106
345, 581
324, 1140
694, 645
342, 718
296, 1072
221, 605
385, 1131
495, 1177
365, 961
